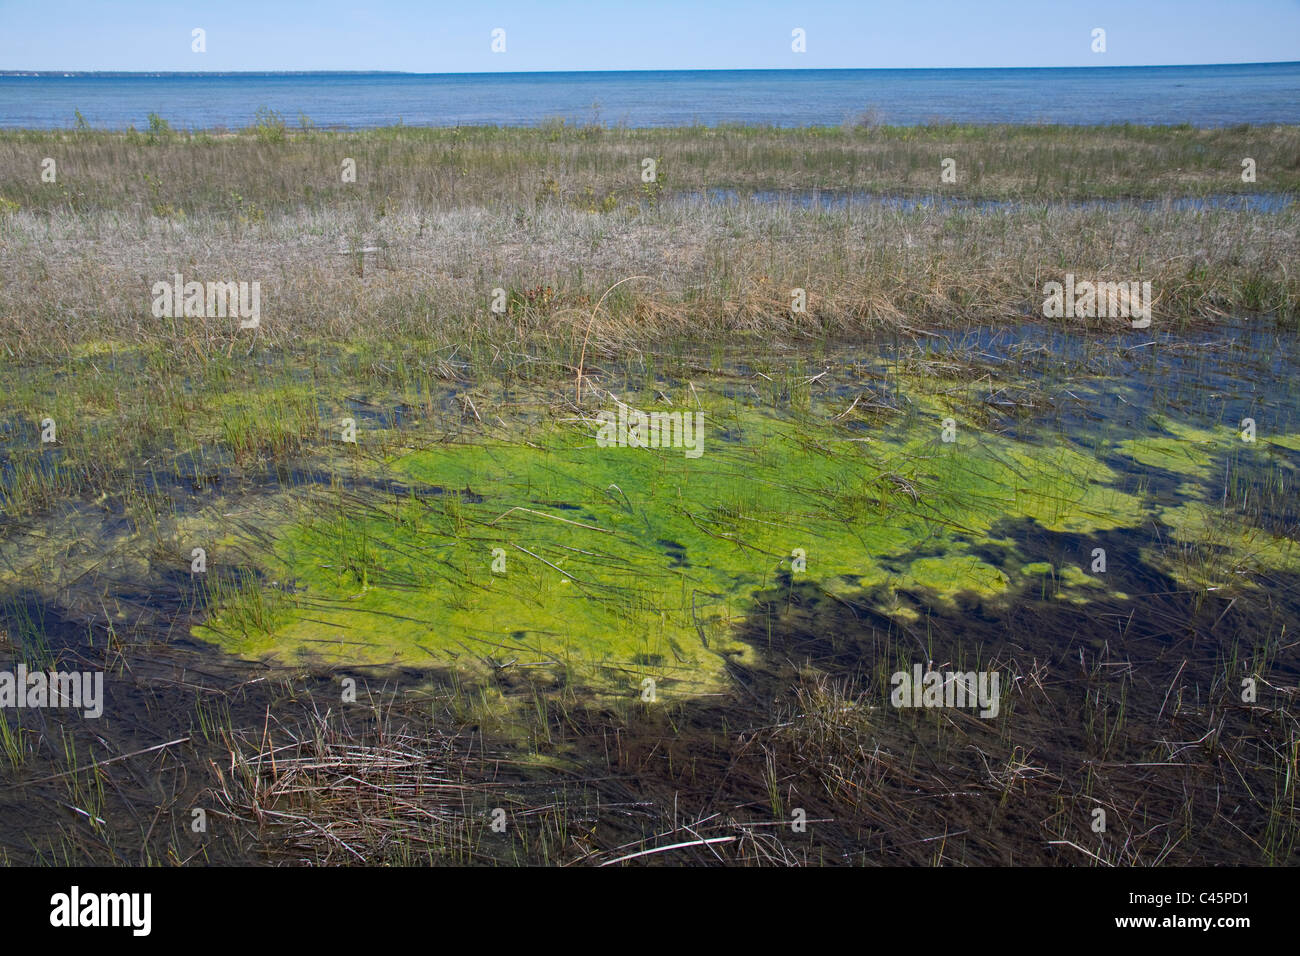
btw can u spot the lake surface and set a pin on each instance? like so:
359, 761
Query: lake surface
1199, 95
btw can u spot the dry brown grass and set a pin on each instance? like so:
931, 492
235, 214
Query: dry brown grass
711, 271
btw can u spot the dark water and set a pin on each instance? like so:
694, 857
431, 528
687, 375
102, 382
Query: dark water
840, 199
1199, 95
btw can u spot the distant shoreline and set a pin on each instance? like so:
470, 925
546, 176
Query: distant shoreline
160, 74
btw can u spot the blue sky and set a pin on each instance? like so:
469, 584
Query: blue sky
437, 37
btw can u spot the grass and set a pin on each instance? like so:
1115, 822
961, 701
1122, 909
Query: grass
451, 215
271, 169
711, 271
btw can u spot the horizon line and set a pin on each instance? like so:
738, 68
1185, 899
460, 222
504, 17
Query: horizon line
11, 73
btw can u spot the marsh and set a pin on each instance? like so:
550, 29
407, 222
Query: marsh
398, 484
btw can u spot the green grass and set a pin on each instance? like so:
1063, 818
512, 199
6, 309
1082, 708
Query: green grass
270, 167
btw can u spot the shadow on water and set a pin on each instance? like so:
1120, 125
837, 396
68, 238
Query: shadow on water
1131, 702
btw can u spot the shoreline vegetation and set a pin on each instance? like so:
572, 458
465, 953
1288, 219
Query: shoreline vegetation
437, 219
391, 475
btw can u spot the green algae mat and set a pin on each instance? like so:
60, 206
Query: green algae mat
621, 563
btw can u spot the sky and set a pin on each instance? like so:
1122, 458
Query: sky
429, 36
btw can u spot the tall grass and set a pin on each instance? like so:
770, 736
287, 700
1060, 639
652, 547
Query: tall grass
274, 168
711, 270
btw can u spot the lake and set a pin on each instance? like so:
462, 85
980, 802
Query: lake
1200, 95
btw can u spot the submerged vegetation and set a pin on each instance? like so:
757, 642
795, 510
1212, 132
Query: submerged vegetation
362, 577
